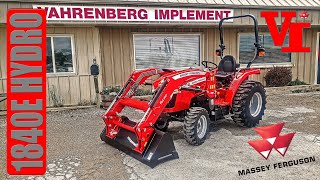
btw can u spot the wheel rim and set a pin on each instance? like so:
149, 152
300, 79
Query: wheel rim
202, 126
255, 104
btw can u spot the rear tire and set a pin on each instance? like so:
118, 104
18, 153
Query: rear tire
249, 104
196, 126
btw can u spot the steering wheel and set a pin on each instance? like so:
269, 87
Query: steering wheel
205, 64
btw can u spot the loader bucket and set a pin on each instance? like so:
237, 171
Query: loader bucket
160, 149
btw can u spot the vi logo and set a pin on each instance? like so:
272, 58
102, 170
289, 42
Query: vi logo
295, 31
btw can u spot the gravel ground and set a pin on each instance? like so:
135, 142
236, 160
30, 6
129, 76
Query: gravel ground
74, 148
76, 152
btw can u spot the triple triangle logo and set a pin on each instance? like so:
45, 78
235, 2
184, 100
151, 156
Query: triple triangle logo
271, 138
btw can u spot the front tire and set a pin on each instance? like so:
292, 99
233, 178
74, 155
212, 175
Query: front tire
196, 126
249, 104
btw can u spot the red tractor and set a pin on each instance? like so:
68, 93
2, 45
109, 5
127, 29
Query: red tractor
194, 96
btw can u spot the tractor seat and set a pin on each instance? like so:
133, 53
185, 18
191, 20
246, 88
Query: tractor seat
226, 67
223, 75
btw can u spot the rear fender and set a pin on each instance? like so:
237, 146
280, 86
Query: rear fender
242, 76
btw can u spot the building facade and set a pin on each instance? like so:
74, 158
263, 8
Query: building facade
124, 36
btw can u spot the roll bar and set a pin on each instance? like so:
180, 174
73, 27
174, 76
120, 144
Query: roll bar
258, 46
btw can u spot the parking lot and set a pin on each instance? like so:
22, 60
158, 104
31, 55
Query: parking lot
74, 149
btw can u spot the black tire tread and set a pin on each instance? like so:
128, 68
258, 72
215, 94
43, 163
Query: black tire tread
239, 101
190, 123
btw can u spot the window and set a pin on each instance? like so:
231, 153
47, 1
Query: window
273, 53
170, 51
60, 54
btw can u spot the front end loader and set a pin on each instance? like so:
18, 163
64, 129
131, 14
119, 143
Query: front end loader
194, 96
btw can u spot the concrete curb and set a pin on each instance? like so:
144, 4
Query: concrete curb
49, 109
69, 108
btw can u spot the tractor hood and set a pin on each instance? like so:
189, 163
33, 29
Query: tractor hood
193, 73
